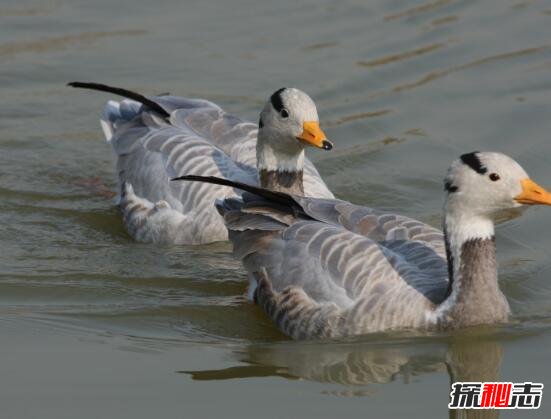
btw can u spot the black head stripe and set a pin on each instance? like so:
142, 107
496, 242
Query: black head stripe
260, 123
449, 187
277, 101
472, 160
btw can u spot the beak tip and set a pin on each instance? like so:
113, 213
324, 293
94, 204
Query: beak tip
327, 145
533, 194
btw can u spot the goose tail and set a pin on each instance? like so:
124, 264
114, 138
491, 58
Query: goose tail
125, 110
268, 194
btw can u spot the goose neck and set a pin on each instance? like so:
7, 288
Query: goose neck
280, 170
473, 295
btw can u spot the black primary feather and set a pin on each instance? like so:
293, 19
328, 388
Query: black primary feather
154, 106
273, 196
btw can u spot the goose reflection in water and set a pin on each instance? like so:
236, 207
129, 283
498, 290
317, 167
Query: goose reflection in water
357, 365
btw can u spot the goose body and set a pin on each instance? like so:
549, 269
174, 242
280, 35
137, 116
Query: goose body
158, 138
329, 268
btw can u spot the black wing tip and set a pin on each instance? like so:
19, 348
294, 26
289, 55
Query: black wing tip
271, 195
84, 84
195, 177
151, 104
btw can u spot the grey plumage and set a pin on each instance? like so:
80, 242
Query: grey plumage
170, 136
481, 300
338, 268
289, 181
328, 268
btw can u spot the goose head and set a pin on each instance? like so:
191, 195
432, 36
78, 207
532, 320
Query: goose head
482, 188
288, 123
485, 184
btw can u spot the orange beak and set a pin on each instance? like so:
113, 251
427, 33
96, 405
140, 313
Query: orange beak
313, 135
533, 194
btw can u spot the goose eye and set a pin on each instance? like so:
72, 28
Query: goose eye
494, 177
284, 113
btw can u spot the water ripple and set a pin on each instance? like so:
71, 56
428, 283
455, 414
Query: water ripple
56, 43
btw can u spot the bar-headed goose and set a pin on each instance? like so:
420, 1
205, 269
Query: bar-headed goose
328, 268
161, 137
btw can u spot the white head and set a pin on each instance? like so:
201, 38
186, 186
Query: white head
483, 184
288, 123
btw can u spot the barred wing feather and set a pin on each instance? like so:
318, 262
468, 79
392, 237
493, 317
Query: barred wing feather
198, 138
340, 269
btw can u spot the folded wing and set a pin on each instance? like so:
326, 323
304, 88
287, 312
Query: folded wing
329, 268
197, 137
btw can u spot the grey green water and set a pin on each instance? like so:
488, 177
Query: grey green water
94, 325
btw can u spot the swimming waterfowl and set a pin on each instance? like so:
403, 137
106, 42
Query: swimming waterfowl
161, 137
329, 268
